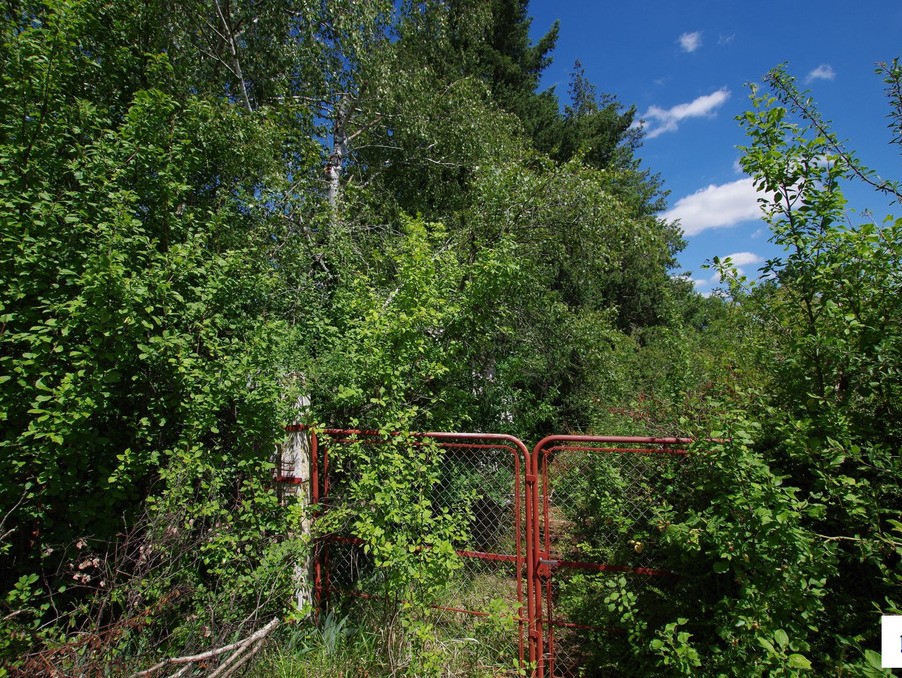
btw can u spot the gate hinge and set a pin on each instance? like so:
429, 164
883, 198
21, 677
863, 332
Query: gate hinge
531, 478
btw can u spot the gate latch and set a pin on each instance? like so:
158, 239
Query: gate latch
545, 565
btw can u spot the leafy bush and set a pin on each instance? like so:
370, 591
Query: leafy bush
142, 341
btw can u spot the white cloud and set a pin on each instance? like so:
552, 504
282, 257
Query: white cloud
725, 39
743, 258
696, 282
739, 259
667, 120
689, 42
822, 72
716, 207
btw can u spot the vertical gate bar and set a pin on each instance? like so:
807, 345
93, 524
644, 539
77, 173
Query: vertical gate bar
535, 582
546, 554
314, 497
518, 547
550, 616
314, 470
527, 517
529, 480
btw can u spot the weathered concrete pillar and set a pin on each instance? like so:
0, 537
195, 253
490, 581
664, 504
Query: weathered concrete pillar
294, 476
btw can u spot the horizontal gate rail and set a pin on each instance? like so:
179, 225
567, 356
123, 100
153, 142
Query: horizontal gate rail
604, 567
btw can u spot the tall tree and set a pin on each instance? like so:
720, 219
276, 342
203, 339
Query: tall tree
599, 130
507, 60
831, 343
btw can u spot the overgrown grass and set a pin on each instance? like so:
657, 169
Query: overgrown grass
372, 638
334, 647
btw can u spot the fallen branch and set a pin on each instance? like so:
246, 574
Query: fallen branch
225, 671
241, 646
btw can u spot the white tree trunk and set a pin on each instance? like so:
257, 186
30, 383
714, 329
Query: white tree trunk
339, 152
228, 35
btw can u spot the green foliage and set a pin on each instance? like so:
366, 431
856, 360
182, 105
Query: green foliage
788, 527
125, 296
892, 77
387, 350
676, 650
143, 330
836, 304
765, 572
827, 344
572, 264
380, 370
334, 647
176, 271
505, 58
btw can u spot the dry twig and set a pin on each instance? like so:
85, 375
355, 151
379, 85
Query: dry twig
240, 647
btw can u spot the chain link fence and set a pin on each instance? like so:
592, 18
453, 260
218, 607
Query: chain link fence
560, 552
481, 614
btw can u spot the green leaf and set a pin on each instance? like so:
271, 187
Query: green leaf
767, 645
782, 638
873, 659
798, 661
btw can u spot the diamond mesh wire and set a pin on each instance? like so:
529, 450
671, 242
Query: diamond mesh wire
598, 522
482, 609
602, 515
481, 484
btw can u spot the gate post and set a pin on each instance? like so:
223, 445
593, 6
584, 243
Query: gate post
533, 599
294, 475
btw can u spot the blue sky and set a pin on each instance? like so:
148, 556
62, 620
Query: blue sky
684, 66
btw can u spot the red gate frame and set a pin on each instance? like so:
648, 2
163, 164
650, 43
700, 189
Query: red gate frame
534, 566
544, 566
522, 509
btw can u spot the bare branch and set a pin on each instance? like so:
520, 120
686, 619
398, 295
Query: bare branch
858, 540
233, 48
9, 513
241, 646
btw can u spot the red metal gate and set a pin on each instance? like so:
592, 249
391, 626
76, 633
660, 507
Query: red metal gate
598, 501
489, 470
558, 537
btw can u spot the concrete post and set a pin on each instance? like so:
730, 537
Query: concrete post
294, 469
